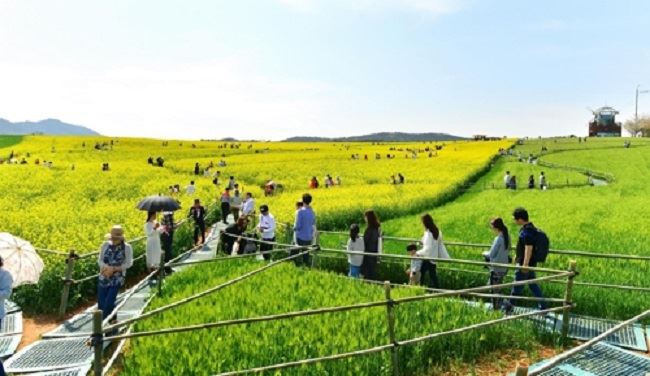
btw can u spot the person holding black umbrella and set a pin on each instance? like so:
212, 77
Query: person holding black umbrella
152, 230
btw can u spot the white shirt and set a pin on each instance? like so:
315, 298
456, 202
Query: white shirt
506, 179
190, 189
248, 207
432, 247
267, 226
356, 246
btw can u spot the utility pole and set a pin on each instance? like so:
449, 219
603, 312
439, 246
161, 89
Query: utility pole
636, 102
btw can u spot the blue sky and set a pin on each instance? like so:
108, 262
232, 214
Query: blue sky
270, 69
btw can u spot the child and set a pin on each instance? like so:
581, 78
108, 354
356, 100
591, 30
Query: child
355, 244
416, 264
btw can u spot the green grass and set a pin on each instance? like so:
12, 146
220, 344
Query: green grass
7, 141
612, 218
287, 288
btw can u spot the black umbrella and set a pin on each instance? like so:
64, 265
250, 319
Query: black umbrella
158, 204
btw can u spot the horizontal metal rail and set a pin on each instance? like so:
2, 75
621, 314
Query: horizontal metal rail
381, 348
487, 246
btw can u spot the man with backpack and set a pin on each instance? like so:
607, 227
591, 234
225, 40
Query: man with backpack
532, 247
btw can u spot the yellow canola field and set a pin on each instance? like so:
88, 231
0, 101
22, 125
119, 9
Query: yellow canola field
64, 208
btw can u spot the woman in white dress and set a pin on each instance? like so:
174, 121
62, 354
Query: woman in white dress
152, 230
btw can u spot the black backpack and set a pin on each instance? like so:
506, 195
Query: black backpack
542, 246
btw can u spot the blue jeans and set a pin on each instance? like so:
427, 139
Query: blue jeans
305, 257
355, 271
534, 287
106, 296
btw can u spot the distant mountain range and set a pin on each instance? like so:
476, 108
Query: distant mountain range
382, 137
47, 126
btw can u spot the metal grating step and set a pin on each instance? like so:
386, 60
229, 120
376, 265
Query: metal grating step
135, 303
586, 328
12, 323
82, 323
50, 354
11, 307
77, 371
9, 344
600, 360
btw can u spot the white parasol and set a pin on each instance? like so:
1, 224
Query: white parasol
20, 259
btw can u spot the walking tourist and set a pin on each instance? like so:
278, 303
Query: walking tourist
235, 204
225, 205
432, 247
506, 179
413, 271
304, 228
355, 244
152, 230
115, 257
498, 254
525, 258
266, 226
197, 213
248, 206
372, 244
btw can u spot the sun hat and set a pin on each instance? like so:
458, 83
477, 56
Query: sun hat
117, 232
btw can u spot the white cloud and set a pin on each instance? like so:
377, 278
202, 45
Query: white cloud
430, 7
207, 100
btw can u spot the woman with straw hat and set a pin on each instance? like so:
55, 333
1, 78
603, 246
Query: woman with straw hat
115, 257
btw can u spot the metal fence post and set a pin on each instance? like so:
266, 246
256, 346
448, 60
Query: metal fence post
566, 313
390, 313
161, 272
97, 342
67, 281
522, 370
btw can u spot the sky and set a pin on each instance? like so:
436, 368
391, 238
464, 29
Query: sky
272, 69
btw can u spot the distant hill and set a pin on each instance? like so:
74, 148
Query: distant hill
47, 126
382, 137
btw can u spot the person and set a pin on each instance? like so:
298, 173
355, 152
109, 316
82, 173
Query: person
432, 247
167, 237
338, 180
6, 283
304, 228
266, 226
248, 207
197, 168
327, 181
197, 213
115, 258
225, 205
232, 235
524, 258
392, 180
372, 244
231, 183
498, 254
413, 272
513, 182
542, 181
506, 179
190, 189
235, 204
355, 244
298, 207
531, 182
401, 178
152, 230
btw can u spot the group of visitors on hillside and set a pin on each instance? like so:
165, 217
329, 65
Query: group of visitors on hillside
432, 246
510, 181
364, 247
